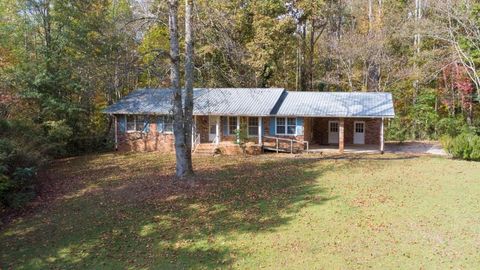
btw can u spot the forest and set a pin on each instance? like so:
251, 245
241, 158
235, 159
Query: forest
63, 61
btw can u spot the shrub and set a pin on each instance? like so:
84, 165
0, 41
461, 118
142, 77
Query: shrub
82, 145
20, 156
396, 131
58, 131
464, 146
475, 154
450, 126
5, 186
4, 126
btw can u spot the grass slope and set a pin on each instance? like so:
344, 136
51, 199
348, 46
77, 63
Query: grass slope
123, 211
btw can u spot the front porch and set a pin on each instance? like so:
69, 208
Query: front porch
359, 135
314, 134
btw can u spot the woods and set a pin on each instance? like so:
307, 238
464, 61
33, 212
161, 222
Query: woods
63, 61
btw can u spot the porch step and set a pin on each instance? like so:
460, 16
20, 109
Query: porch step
205, 149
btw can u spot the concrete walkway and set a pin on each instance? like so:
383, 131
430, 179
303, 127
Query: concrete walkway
411, 147
432, 148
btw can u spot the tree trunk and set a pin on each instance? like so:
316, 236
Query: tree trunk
178, 129
373, 70
312, 55
303, 52
189, 79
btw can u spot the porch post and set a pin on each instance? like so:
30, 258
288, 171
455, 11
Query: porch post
341, 135
194, 129
238, 128
260, 129
217, 129
116, 132
382, 142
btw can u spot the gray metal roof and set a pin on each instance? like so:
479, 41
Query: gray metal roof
144, 101
207, 101
236, 101
260, 102
336, 104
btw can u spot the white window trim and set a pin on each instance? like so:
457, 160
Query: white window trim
286, 126
248, 127
134, 130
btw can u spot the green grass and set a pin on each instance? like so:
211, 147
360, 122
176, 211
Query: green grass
123, 211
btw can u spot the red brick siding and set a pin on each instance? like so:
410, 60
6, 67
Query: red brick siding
151, 141
372, 130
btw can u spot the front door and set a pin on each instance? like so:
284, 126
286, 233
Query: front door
359, 132
212, 128
333, 132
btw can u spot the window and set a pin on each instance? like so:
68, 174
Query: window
333, 127
168, 123
286, 126
359, 127
232, 125
280, 126
130, 122
253, 126
291, 125
135, 122
165, 124
139, 123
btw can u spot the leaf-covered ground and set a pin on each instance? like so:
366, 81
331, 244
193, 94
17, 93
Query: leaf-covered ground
122, 211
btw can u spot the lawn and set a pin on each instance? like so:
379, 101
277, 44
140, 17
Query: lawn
115, 211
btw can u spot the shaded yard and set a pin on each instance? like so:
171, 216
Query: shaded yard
123, 211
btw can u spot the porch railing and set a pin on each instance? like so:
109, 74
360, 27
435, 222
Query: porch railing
196, 142
278, 148
216, 140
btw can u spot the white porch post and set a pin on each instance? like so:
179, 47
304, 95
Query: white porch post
382, 142
260, 129
238, 128
217, 129
194, 129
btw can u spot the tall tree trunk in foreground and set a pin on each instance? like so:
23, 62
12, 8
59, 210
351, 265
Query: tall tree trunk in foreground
179, 119
189, 78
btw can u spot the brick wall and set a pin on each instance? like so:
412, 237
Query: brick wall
372, 130
150, 141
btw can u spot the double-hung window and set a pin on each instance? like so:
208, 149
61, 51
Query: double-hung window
165, 124
135, 123
253, 126
286, 125
232, 125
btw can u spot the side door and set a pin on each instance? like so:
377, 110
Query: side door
359, 132
333, 132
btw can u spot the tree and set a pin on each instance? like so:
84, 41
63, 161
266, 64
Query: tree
189, 79
182, 115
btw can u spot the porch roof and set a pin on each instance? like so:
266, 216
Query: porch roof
336, 104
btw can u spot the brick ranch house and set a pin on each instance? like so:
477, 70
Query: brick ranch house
273, 118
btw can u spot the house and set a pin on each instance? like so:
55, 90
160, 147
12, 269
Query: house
273, 118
